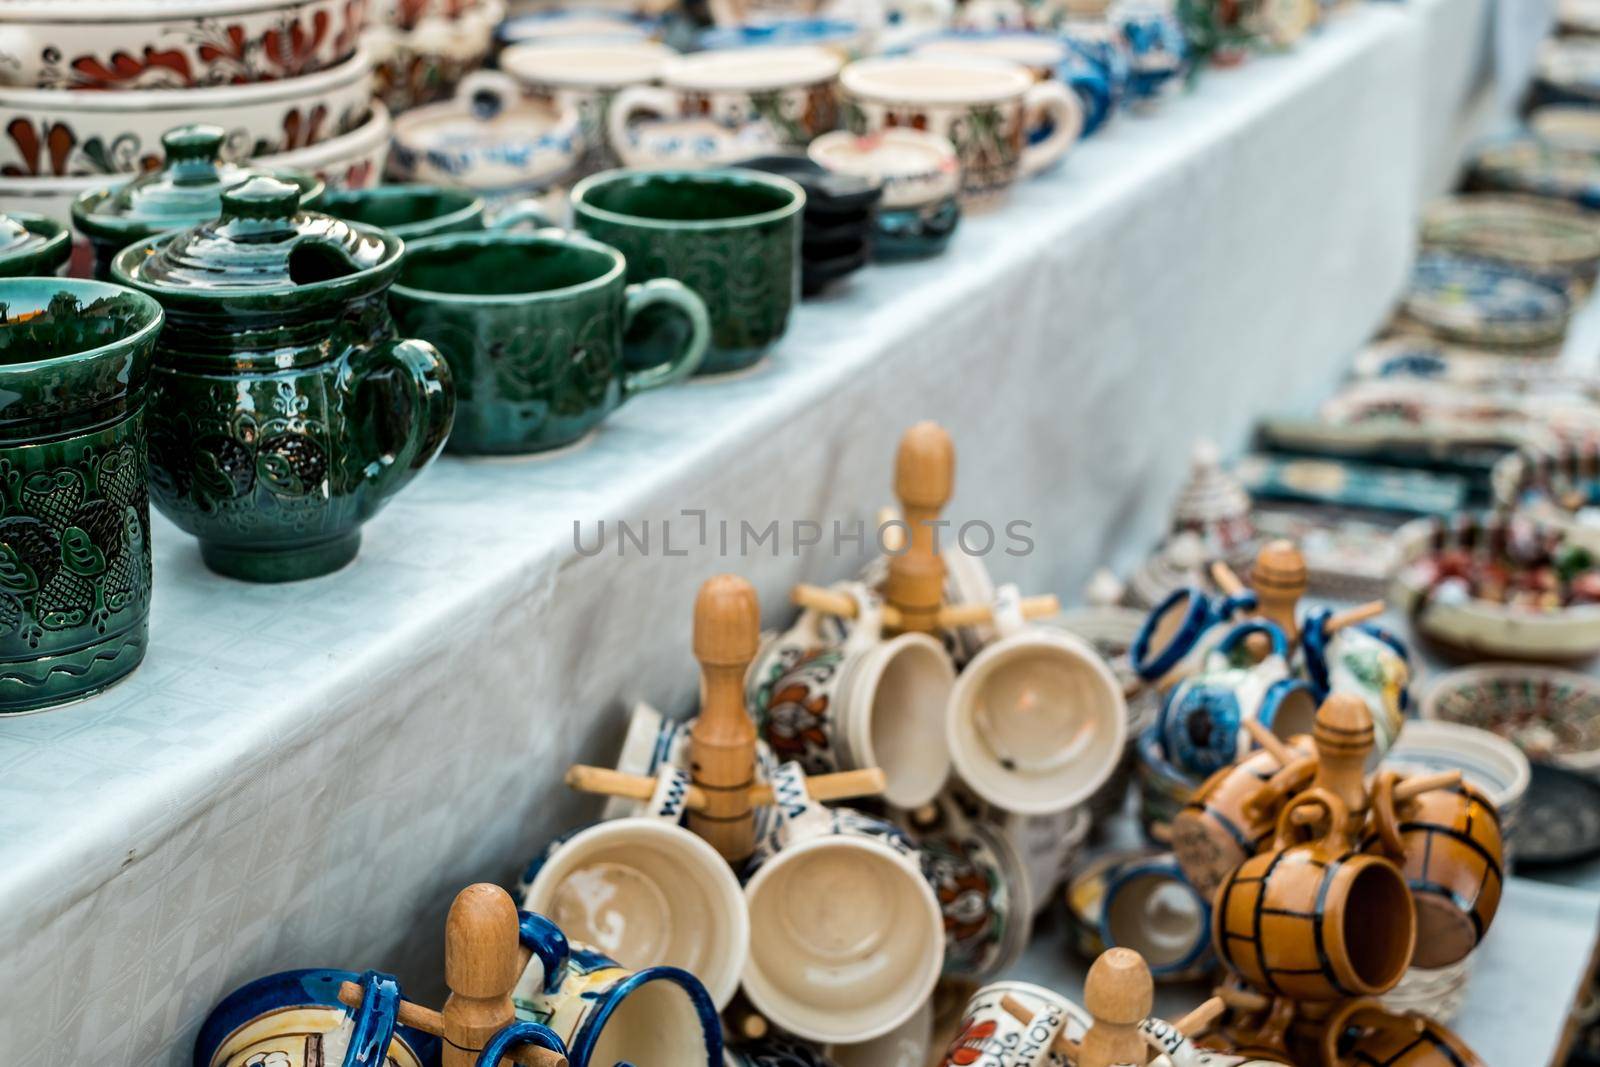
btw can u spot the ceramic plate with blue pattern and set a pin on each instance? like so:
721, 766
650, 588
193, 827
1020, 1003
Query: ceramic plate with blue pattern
1488, 302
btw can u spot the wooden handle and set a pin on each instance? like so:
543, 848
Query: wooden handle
1227, 580
1201, 1018
1350, 616
924, 478
843, 785
1063, 1045
481, 967
1242, 999
722, 742
1271, 742
947, 617
431, 1022
1418, 784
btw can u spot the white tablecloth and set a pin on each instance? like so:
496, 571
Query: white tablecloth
305, 774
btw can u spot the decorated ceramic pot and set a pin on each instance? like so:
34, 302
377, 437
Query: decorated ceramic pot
1488, 762
285, 412
185, 192
1366, 660
75, 537
983, 891
990, 1036
488, 139
586, 76
984, 109
920, 175
1047, 56
32, 245
424, 61
150, 44
1101, 65
1482, 301
790, 93
59, 132
607, 1014
1214, 505
295, 1019
1181, 629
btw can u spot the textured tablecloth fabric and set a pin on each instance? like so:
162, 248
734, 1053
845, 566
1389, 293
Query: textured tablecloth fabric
305, 774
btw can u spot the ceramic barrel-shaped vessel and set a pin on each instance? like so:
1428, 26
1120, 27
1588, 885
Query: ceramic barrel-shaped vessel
74, 504
1361, 1032
1451, 853
1220, 827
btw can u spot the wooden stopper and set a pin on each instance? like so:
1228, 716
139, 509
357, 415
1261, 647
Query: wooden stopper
481, 967
722, 743
1279, 580
431, 1022
1118, 993
1343, 736
924, 478
1271, 742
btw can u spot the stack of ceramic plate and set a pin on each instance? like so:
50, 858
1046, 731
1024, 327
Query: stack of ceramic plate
1489, 303
421, 49
88, 88
841, 209
1526, 232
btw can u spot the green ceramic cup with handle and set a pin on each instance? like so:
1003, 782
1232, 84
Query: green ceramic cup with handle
412, 212
733, 236
533, 327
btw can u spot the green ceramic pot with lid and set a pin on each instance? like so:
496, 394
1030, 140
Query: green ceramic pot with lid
74, 503
32, 245
285, 411
186, 191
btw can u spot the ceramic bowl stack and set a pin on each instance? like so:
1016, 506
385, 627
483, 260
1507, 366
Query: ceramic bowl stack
88, 89
421, 49
921, 178
840, 214
1490, 304
1535, 235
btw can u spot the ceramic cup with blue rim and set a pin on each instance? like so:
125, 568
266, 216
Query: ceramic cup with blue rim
413, 211
1202, 724
1366, 660
606, 1014
1151, 908
862, 701
983, 890
1181, 629
295, 1019
533, 327
518, 1035
733, 236
846, 935
647, 892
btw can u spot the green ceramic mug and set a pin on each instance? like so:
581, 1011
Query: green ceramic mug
532, 326
733, 236
74, 498
414, 211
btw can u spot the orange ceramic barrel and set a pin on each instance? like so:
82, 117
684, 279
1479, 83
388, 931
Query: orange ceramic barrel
1315, 920
1448, 845
1218, 829
1363, 1034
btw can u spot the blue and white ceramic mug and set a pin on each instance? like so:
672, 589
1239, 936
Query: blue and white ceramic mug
846, 936
1202, 724
1366, 660
606, 1014
1158, 51
295, 1019
1180, 630
654, 741
983, 891
647, 892
515, 1036
1150, 907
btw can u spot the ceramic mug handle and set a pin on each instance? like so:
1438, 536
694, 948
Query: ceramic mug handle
415, 372
670, 799
487, 93
1338, 818
665, 292
373, 1027
524, 212
519, 1033
1062, 105
801, 816
548, 944
633, 102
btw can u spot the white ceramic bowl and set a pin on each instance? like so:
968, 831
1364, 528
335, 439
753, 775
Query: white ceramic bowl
171, 44
60, 132
1550, 714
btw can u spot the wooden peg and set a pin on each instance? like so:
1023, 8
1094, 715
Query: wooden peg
1226, 579
841, 785
481, 967
743, 1020
952, 616
722, 742
1201, 1018
1279, 579
1062, 1046
1350, 616
1344, 740
1418, 784
924, 478
431, 1022
1118, 993
947, 617
1242, 1000
1271, 742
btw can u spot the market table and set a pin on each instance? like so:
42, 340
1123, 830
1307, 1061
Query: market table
306, 774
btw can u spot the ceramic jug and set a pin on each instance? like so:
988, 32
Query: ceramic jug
284, 410
1366, 660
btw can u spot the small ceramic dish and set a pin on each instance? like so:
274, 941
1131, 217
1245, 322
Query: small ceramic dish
1487, 761
32, 245
1477, 300
916, 233
1417, 357
915, 168
1552, 715
1539, 168
1532, 234
1446, 565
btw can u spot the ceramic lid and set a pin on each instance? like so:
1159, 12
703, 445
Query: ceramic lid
31, 244
915, 167
263, 240
186, 190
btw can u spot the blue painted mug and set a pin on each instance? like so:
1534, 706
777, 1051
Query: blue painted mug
1157, 48
1181, 629
1202, 723
520, 1033
606, 1014
1149, 906
1366, 660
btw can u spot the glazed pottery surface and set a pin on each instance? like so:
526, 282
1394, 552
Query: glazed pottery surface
1310, 921
982, 108
519, 1034
790, 92
1366, 660
172, 44
647, 892
846, 703
837, 902
1487, 762
284, 412
586, 76
983, 891
990, 1036
732, 236
186, 191
1159, 51
532, 326
1181, 630
1362, 1032
606, 1014
916, 169
75, 361
1163, 788
59, 132
413, 211
295, 1019
32, 245
778, 1052
1480, 300
1552, 715
1048, 56
1527, 232
1565, 169
423, 62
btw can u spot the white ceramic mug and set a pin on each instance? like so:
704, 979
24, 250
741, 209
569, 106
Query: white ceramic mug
1037, 721
846, 936
985, 109
647, 892
586, 76
837, 703
990, 1036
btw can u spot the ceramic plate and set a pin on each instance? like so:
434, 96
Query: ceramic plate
1553, 716
1560, 821
1526, 232
1530, 165
1467, 298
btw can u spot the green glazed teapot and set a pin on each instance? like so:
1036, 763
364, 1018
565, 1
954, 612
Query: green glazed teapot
284, 411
